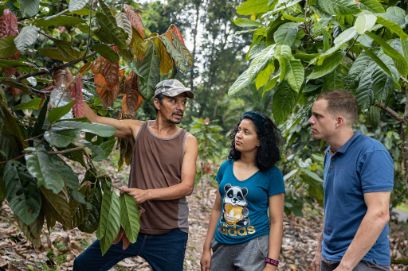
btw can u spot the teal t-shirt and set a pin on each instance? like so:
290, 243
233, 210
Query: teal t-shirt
244, 204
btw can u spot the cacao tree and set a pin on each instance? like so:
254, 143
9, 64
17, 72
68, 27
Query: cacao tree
301, 48
52, 56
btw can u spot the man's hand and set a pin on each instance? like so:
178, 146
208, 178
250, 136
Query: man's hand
206, 260
139, 195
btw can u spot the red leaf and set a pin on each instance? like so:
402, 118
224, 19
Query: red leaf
106, 78
132, 99
135, 20
177, 32
8, 24
76, 94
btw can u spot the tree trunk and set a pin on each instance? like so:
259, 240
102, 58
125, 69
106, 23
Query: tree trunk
404, 136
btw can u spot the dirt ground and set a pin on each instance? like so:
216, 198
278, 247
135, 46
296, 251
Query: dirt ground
60, 247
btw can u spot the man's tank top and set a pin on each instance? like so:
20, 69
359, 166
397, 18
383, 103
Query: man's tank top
156, 163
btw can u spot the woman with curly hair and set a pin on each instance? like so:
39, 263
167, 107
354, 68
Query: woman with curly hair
246, 222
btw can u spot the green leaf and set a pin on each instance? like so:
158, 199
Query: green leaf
57, 206
123, 22
396, 15
315, 184
251, 7
75, 5
284, 101
296, 74
61, 20
57, 113
377, 60
286, 33
149, 71
23, 195
106, 52
61, 138
372, 5
364, 22
29, 8
329, 65
263, 77
400, 62
129, 217
33, 231
93, 128
283, 54
41, 165
100, 152
7, 47
338, 7
27, 37
108, 26
182, 58
345, 36
390, 25
245, 22
7, 63
257, 64
110, 219
34, 104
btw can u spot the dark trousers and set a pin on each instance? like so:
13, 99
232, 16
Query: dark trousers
163, 252
362, 266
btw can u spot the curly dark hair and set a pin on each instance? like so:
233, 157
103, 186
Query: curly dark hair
268, 152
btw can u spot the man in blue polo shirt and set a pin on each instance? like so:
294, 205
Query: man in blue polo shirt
358, 180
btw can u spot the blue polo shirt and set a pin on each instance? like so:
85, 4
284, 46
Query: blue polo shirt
361, 165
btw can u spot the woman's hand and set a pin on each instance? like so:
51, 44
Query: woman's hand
205, 260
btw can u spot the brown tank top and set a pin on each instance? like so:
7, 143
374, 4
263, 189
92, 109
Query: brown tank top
156, 163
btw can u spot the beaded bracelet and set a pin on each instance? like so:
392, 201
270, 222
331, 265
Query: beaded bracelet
271, 261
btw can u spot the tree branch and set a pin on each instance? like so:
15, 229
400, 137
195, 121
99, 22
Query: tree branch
391, 112
65, 65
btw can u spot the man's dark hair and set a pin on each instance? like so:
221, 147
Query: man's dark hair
269, 140
341, 101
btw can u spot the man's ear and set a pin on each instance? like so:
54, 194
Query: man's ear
340, 121
156, 103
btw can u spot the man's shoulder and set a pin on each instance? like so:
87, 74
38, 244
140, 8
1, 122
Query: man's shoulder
367, 143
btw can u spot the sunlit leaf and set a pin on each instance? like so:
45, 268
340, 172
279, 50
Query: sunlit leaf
286, 33
27, 37
75, 5
338, 7
29, 8
251, 7
364, 22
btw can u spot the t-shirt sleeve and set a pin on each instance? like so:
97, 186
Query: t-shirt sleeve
276, 184
377, 171
221, 171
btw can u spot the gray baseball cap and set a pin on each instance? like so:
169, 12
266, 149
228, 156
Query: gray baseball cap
172, 88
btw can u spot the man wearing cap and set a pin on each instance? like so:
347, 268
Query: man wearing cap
161, 176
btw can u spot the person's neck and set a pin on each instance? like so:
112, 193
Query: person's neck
341, 138
163, 128
248, 159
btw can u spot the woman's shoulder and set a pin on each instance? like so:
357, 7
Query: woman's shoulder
274, 171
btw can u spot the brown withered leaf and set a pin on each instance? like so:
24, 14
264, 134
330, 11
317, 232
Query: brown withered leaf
8, 24
135, 20
106, 78
138, 46
76, 94
132, 99
166, 62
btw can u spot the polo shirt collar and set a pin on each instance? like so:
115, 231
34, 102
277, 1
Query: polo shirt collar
349, 142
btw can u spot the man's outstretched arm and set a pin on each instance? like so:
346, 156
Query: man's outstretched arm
124, 128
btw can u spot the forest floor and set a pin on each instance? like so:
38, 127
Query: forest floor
60, 247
